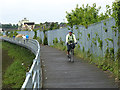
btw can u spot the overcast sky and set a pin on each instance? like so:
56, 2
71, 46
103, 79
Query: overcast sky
11, 11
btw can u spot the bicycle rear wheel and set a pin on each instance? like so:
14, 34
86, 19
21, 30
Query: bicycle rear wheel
72, 55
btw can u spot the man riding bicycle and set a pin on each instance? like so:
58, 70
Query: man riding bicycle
70, 38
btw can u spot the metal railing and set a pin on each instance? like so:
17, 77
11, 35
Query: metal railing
34, 76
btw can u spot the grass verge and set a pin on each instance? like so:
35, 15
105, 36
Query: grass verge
16, 72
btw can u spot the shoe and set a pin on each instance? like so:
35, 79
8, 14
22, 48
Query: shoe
67, 55
69, 60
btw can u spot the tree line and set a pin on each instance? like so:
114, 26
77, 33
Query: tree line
87, 15
10, 26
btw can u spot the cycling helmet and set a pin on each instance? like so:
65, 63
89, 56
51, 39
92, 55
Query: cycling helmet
71, 31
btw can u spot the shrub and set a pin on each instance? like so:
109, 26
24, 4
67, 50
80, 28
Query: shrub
39, 40
45, 41
35, 35
55, 41
61, 42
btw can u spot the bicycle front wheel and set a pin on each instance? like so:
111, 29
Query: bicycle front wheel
72, 55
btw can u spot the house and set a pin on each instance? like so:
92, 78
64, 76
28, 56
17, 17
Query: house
25, 25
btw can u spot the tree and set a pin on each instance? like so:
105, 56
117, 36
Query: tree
86, 15
45, 41
51, 26
35, 34
15, 33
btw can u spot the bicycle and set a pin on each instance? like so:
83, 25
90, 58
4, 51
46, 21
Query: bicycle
71, 53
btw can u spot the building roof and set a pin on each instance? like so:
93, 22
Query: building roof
29, 23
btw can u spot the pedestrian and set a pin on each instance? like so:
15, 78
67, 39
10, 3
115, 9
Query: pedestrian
24, 38
13, 37
27, 37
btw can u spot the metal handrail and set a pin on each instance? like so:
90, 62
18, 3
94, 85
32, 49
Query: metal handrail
33, 77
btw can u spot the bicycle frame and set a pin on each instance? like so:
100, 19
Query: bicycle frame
71, 54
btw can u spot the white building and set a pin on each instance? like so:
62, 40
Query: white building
25, 25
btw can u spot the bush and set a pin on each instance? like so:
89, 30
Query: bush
15, 33
61, 42
1, 34
35, 36
39, 40
6, 33
45, 41
55, 41
11, 34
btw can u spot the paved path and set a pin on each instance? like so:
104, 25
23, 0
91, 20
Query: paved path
59, 73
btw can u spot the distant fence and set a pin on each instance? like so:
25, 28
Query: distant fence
95, 39
34, 76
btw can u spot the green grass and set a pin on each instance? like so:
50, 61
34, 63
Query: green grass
101, 62
16, 73
59, 46
1, 34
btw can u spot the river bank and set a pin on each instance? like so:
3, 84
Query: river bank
6, 61
16, 61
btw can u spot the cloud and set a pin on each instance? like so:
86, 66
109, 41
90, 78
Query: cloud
42, 10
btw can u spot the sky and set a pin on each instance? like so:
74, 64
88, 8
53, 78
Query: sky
40, 11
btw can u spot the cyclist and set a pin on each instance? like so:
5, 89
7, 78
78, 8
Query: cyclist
70, 38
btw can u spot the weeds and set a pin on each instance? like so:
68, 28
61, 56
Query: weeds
16, 72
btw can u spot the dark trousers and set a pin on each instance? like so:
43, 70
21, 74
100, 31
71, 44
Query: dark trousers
71, 46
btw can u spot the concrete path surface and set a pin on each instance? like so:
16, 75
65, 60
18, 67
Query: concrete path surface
59, 73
